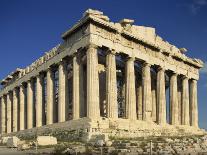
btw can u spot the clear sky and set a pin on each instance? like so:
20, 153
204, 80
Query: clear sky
28, 28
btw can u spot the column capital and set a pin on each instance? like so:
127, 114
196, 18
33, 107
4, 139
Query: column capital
93, 46
130, 58
161, 68
111, 51
146, 64
185, 77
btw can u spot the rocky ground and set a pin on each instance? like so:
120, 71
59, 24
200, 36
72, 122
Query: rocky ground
154, 145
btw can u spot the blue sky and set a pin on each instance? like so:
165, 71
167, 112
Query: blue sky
28, 28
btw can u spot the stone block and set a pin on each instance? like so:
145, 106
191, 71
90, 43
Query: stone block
12, 142
4, 140
46, 140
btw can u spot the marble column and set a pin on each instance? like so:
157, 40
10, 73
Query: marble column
161, 98
93, 107
111, 86
39, 101
185, 102
50, 96
76, 88
154, 100
30, 102
22, 107
193, 103
63, 95
139, 99
130, 90
3, 115
15, 110
174, 119
179, 100
146, 92
9, 113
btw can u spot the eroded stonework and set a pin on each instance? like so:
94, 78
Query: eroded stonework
105, 78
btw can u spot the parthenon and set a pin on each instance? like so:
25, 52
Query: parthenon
106, 75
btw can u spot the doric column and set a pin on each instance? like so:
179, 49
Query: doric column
193, 103
30, 102
130, 90
185, 102
179, 100
3, 115
111, 86
154, 99
93, 107
146, 92
161, 99
62, 98
39, 101
9, 113
174, 120
50, 96
139, 99
76, 88
15, 110
22, 107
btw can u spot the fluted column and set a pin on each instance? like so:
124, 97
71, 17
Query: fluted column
9, 113
39, 101
179, 100
161, 99
93, 107
185, 102
3, 115
174, 119
50, 96
146, 92
193, 103
76, 88
111, 86
130, 90
139, 99
15, 110
30, 102
22, 107
154, 100
62, 98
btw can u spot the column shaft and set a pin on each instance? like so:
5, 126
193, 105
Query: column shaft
146, 92
9, 113
76, 88
174, 114
139, 99
62, 99
130, 90
185, 102
30, 102
93, 107
154, 100
3, 115
39, 101
111, 86
161, 98
193, 103
22, 108
15, 110
50, 96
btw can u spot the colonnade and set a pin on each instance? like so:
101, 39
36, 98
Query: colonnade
26, 101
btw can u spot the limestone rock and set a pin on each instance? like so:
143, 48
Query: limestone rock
13, 142
100, 143
4, 140
46, 140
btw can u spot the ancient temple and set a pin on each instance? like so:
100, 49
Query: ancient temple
104, 76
